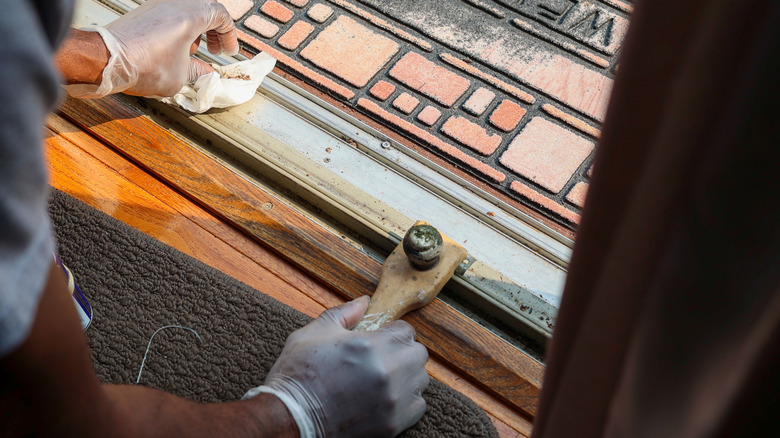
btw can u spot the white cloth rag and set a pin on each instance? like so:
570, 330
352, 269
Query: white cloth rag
230, 85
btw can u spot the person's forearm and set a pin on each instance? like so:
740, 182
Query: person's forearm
150, 49
50, 376
142, 410
82, 58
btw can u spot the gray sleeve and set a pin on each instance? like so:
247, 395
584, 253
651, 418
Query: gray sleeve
29, 87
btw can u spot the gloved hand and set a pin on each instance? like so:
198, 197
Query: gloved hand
151, 47
336, 382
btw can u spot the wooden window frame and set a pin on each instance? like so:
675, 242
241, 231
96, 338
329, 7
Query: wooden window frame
490, 362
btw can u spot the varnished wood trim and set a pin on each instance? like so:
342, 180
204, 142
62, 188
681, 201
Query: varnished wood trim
89, 170
469, 348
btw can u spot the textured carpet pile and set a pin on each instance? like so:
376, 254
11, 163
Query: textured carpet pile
137, 285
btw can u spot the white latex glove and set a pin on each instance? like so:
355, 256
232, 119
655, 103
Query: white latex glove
151, 47
336, 382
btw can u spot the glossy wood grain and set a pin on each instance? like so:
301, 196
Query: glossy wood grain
494, 368
88, 170
124, 191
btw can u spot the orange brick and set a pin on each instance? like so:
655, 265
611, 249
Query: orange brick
470, 134
382, 90
434, 81
479, 100
498, 83
577, 194
507, 115
261, 26
276, 11
544, 202
295, 35
431, 140
406, 103
570, 120
574, 84
546, 153
429, 115
311, 75
383, 24
350, 51
534, 63
237, 8
319, 12
299, 3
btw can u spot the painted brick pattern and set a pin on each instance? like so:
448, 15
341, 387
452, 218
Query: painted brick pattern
546, 153
409, 128
429, 115
507, 115
479, 100
350, 50
535, 63
319, 13
382, 90
406, 103
470, 134
295, 35
383, 24
296, 66
276, 11
425, 77
468, 68
298, 3
572, 121
577, 194
237, 8
522, 115
262, 26
546, 203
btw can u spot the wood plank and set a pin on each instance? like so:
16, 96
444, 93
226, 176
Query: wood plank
102, 188
88, 170
228, 234
492, 363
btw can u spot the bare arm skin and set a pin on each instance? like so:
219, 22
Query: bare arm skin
49, 385
147, 51
82, 58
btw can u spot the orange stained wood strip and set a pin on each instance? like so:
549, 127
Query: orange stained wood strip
221, 191
242, 243
192, 231
90, 171
469, 348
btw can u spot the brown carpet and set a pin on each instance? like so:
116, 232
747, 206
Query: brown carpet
137, 285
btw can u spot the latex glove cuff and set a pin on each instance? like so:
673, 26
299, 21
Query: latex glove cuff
305, 425
118, 75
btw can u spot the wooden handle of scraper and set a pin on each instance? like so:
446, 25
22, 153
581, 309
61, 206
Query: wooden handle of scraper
403, 287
